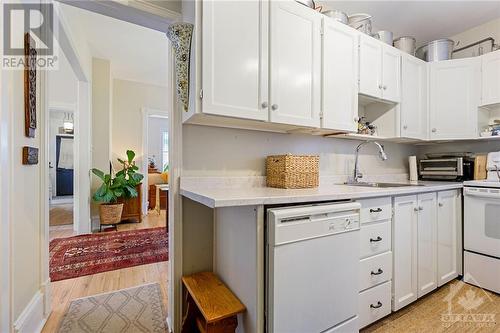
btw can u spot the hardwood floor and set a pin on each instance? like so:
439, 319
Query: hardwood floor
61, 214
63, 292
431, 313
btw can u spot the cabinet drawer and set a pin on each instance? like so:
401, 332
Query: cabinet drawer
374, 303
376, 209
375, 238
375, 270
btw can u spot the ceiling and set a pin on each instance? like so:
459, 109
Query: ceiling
425, 20
136, 53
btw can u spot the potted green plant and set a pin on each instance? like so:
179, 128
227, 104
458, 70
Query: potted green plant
130, 175
112, 188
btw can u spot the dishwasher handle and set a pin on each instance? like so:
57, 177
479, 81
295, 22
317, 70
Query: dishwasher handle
481, 194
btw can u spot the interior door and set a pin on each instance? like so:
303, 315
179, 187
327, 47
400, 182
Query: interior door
391, 74
454, 98
295, 68
235, 59
340, 76
414, 109
491, 78
427, 240
448, 220
370, 66
405, 251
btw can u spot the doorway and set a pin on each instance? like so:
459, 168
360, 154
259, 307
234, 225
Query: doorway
126, 96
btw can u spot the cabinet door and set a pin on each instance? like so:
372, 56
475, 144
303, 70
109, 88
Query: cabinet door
405, 251
414, 98
454, 98
491, 78
295, 67
235, 57
340, 77
427, 240
391, 77
448, 221
370, 66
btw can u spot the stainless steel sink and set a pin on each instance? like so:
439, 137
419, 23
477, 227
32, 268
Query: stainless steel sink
381, 185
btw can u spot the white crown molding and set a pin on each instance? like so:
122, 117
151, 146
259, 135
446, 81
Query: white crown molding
150, 7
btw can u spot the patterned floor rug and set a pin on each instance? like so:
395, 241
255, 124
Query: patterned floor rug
131, 310
95, 253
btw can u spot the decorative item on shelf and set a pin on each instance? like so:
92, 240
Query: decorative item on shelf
30, 155
292, 171
115, 191
152, 162
68, 123
29, 86
180, 35
365, 127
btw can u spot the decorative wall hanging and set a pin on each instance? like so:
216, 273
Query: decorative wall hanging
180, 35
29, 86
30, 155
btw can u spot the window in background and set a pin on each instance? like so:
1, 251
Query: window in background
165, 151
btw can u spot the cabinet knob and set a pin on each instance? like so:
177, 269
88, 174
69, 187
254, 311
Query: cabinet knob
380, 86
440, 204
415, 209
384, 87
434, 130
274, 107
405, 127
420, 208
264, 105
378, 305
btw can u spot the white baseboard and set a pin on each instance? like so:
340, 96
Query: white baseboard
32, 319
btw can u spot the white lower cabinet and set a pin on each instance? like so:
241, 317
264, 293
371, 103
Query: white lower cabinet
425, 247
374, 304
449, 237
375, 266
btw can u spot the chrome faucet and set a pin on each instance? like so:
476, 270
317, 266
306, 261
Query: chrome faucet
382, 155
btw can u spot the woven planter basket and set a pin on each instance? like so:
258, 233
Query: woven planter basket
110, 213
292, 171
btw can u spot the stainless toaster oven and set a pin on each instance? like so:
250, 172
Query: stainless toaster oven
451, 168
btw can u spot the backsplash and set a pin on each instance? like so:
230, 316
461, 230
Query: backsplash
235, 152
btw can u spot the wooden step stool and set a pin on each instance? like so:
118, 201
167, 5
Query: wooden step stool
211, 306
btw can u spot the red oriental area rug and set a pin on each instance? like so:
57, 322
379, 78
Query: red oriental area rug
95, 253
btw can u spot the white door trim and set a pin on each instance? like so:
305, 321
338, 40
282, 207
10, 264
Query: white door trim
146, 113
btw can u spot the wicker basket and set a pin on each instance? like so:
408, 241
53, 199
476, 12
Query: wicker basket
110, 213
292, 171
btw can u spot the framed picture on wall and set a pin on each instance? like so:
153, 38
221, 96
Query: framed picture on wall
29, 86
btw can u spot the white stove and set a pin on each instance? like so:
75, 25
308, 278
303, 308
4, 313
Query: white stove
482, 234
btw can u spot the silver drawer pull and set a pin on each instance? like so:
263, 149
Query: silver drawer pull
378, 210
378, 239
379, 304
380, 271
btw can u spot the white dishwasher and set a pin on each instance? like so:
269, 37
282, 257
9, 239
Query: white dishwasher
312, 268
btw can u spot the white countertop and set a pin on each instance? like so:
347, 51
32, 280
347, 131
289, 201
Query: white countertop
222, 196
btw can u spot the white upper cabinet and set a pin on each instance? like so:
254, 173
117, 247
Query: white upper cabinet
340, 77
414, 111
454, 98
427, 243
449, 222
379, 69
295, 67
405, 251
235, 59
370, 66
491, 78
391, 74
